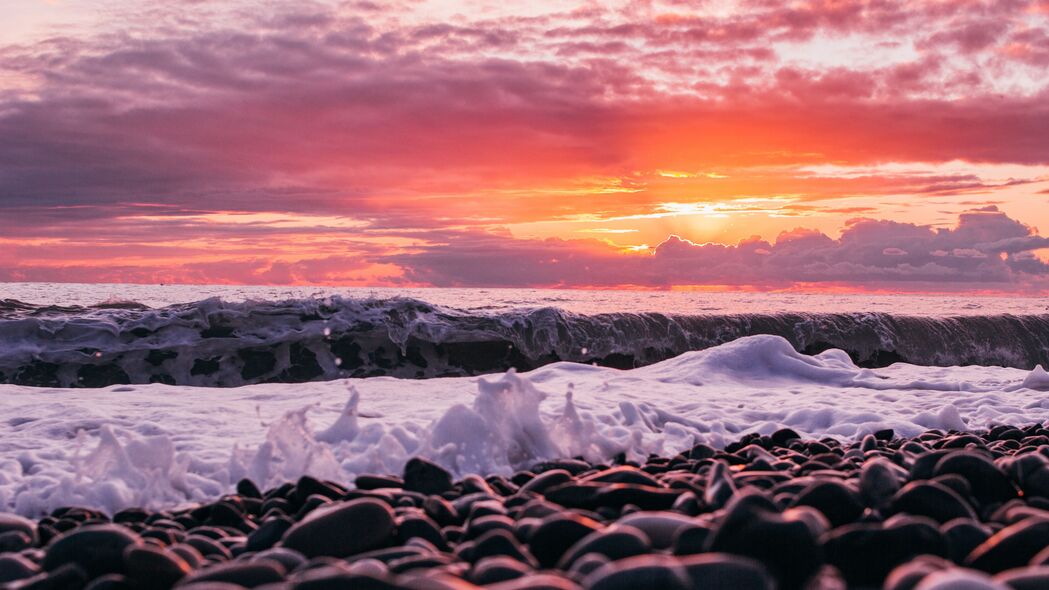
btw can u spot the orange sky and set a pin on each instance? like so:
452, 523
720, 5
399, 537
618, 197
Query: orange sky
841, 144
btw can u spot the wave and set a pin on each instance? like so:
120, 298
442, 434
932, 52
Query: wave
157, 446
226, 344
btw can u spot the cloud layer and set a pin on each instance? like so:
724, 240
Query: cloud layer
987, 250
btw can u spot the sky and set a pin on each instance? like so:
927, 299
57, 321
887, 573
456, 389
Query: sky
845, 145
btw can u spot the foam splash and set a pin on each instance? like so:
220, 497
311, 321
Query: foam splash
161, 446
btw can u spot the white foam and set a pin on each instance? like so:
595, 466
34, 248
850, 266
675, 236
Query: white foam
157, 445
1037, 379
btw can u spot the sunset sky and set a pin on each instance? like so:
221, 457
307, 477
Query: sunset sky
882, 145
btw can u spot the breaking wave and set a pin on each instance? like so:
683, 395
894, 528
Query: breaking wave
218, 343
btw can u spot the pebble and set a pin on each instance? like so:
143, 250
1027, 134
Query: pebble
1013, 546
343, 529
425, 477
940, 510
97, 549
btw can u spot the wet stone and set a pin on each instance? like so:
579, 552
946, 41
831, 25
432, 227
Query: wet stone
97, 549
343, 529
942, 510
425, 477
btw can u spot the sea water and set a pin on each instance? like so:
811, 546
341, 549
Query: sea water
155, 444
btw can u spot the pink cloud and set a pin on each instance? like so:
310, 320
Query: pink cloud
414, 127
986, 250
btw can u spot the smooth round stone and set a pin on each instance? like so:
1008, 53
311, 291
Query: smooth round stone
14, 523
308, 486
783, 436
1026, 578
908, 575
988, 484
959, 579
691, 540
441, 511
16, 567
212, 532
211, 586
208, 547
719, 486
334, 578
492, 570
532, 582
720, 570
576, 495
420, 526
866, 553
288, 558
812, 518
500, 542
963, 535
659, 527
154, 567
959, 484
546, 480
268, 534
248, 489
573, 466
879, 482
1014, 511
486, 508
931, 499
370, 567
621, 495
473, 484
753, 529
12, 541
343, 529
246, 574
622, 474
556, 533
425, 477
538, 508
1032, 471
97, 549
110, 582
377, 482
643, 571
70, 575
1042, 558
614, 543
836, 501
1013, 546
189, 553
587, 564
479, 526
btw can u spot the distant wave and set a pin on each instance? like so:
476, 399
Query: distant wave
226, 344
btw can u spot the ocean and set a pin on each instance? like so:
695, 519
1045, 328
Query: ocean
124, 395
61, 335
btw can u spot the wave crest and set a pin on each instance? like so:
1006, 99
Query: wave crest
218, 343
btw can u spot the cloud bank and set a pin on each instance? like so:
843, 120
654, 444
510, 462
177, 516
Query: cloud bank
407, 143
986, 250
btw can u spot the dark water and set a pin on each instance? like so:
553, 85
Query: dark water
225, 344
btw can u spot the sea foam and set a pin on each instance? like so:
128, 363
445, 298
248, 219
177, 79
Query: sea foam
158, 445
